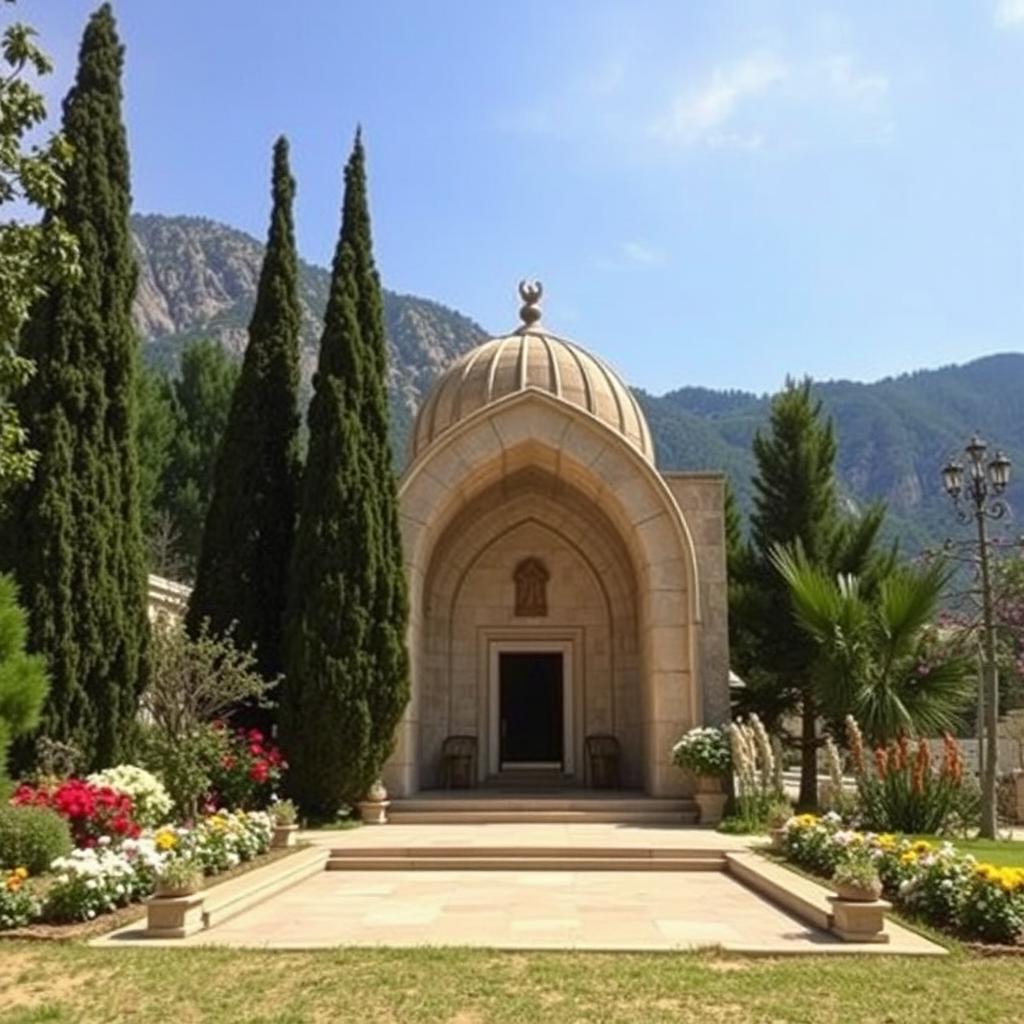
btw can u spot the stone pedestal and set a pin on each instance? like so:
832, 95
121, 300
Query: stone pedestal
374, 812
173, 917
284, 836
859, 920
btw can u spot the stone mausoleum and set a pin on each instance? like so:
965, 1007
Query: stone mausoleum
561, 587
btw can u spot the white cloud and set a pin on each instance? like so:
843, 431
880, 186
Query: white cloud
698, 115
1009, 13
743, 105
847, 83
645, 255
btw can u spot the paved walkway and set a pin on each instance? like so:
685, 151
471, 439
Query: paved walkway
592, 910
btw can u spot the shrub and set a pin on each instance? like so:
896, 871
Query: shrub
18, 906
760, 797
149, 796
248, 771
703, 751
93, 812
32, 837
900, 790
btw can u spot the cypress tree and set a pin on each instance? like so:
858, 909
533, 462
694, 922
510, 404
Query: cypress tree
250, 525
74, 538
346, 667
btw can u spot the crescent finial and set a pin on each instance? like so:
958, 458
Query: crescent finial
530, 292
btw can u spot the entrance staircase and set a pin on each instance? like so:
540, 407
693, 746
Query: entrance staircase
524, 858
526, 805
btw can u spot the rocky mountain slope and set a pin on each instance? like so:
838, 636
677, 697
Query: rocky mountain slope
198, 279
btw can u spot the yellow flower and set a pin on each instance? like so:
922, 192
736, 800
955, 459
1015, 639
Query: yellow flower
922, 846
806, 820
165, 839
886, 841
22, 873
909, 857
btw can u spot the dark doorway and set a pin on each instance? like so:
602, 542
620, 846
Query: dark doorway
530, 687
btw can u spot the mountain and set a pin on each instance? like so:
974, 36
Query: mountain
894, 435
198, 279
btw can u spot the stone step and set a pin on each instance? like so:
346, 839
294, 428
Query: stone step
225, 900
529, 802
528, 852
437, 861
495, 816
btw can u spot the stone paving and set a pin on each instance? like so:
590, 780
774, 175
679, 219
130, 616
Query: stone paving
595, 910
527, 909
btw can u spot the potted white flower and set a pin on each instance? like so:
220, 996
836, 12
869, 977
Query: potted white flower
283, 814
704, 753
856, 877
177, 877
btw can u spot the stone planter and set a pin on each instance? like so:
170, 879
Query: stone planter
712, 806
167, 891
174, 917
778, 839
708, 784
859, 920
851, 893
374, 812
284, 836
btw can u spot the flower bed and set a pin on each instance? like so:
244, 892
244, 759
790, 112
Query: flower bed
110, 874
947, 889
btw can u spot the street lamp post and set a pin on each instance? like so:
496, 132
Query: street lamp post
977, 495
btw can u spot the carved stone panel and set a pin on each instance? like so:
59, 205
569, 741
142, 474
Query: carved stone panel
531, 579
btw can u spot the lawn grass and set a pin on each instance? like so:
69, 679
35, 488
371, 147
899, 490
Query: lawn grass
72, 983
1004, 853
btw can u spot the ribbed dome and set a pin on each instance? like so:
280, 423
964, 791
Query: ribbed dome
530, 358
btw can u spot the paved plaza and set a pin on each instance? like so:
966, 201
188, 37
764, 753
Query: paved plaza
595, 910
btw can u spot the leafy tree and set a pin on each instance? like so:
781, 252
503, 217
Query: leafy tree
250, 523
346, 667
795, 499
878, 654
74, 534
200, 399
32, 256
23, 681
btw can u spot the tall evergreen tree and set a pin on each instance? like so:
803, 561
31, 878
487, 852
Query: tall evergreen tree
346, 665
795, 499
200, 401
74, 536
250, 525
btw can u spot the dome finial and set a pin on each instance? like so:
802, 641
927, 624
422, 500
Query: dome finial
530, 293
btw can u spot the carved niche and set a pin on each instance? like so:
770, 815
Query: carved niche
531, 579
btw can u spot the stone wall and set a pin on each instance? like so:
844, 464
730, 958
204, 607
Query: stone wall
701, 499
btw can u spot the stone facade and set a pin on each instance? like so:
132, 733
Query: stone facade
530, 451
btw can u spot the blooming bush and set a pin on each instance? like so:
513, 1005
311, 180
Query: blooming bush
93, 812
150, 799
947, 889
248, 770
703, 751
100, 879
17, 904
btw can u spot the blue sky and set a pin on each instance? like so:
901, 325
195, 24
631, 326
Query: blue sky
714, 193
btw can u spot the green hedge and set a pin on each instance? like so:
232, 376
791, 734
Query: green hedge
32, 837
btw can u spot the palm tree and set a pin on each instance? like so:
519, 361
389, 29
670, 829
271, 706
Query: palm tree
878, 656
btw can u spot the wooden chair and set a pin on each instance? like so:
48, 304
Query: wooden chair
458, 762
602, 755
